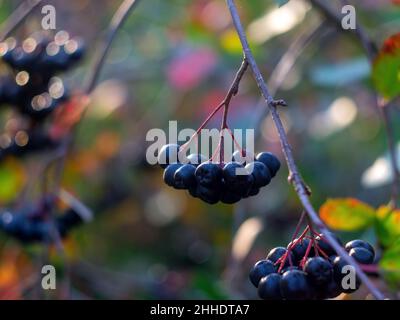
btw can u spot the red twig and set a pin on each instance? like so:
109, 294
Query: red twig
232, 91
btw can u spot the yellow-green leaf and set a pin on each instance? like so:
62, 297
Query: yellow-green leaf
386, 68
390, 263
12, 177
387, 225
347, 214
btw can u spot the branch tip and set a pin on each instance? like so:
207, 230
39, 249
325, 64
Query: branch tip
280, 102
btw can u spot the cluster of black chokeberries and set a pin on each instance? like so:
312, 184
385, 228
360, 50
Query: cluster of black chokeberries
31, 87
29, 227
298, 273
213, 182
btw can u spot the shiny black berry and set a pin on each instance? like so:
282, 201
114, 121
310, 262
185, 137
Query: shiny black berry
269, 287
277, 253
270, 160
300, 248
261, 269
319, 271
235, 176
169, 173
295, 285
324, 245
362, 255
184, 177
260, 173
209, 174
359, 244
245, 191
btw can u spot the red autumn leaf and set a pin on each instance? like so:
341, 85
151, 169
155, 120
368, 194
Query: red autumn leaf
392, 44
386, 68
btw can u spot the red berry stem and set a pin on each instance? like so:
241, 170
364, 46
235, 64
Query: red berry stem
282, 260
242, 151
303, 261
202, 126
233, 90
216, 151
321, 251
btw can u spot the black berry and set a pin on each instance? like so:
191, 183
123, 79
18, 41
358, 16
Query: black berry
295, 286
169, 173
324, 245
184, 177
261, 269
235, 176
275, 254
209, 174
359, 244
260, 173
319, 271
271, 161
362, 255
299, 249
269, 287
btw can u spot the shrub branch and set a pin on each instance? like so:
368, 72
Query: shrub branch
294, 175
17, 17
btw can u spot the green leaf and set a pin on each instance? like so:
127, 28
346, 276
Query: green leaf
347, 214
387, 225
12, 178
386, 68
390, 263
281, 3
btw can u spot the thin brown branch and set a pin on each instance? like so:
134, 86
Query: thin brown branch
17, 17
116, 23
233, 90
295, 176
371, 50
